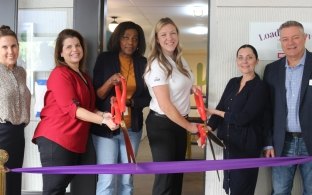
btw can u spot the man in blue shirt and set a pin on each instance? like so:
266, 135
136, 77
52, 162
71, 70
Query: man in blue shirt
289, 114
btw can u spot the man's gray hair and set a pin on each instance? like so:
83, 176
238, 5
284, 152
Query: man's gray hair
291, 23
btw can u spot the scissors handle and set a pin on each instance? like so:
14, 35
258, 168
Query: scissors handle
115, 111
198, 95
121, 94
202, 133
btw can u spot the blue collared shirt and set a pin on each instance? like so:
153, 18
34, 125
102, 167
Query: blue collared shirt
293, 86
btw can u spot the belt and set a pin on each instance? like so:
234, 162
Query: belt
294, 134
162, 115
9, 123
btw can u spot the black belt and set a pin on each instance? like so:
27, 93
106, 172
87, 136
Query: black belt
162, 115
9, 123
294, 134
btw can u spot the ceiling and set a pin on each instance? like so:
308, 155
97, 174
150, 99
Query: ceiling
146, 13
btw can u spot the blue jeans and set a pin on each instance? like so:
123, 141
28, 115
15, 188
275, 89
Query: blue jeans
283, 176
112, 151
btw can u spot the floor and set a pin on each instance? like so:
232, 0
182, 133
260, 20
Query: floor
193, 183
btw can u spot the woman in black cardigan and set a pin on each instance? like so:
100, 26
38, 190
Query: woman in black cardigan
238, 118
124, 58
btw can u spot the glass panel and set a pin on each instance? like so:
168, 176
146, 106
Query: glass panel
39, 22
37, 30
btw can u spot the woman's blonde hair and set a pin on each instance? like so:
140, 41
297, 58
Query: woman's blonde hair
155, 52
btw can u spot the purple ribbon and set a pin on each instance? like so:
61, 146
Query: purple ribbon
167, 167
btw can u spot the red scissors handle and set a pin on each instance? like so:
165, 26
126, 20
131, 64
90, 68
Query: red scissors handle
202, 134
121, 94
118, 103
115, 111
200, 104
198, 95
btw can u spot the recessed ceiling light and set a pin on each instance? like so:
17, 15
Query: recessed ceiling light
198, 11
198, 30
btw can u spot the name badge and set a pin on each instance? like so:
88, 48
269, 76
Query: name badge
126, 112
310, 82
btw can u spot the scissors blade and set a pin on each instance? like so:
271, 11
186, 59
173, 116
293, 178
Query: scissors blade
213, 154
129, 148
215, 139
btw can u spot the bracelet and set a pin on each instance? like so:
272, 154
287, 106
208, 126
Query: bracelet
104, 118
104, 121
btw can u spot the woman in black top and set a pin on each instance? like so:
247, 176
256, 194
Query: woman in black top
238, 117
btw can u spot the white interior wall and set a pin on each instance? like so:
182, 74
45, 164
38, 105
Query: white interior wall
229, 29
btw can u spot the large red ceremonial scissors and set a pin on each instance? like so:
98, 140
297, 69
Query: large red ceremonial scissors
202, 128
118, 107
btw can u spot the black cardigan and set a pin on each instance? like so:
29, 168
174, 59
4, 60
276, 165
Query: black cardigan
106, 65
241, 129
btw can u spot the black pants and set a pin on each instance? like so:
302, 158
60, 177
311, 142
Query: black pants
13, 141
52, 154
168, 143
240, 181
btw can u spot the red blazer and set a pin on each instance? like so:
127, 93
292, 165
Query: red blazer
65, 91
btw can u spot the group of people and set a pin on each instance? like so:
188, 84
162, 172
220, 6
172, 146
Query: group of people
269, 115
253, 115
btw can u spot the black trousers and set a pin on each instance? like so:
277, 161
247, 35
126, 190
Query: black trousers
13, 141
168, 143
240, 181
52, 154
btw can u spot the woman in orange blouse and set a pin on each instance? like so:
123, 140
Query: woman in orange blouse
124, 58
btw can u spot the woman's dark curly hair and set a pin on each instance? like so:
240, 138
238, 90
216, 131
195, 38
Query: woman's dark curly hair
114, 40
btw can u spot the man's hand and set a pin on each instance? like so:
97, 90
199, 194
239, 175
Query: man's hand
269, 153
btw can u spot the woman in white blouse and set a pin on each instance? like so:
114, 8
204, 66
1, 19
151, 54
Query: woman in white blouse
170, 82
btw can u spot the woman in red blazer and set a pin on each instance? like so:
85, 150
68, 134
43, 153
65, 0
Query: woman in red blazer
69, 109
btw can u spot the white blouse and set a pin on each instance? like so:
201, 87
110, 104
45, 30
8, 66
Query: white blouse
179, 86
